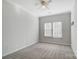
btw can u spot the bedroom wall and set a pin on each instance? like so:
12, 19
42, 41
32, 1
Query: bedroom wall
65, 18
20, 28
74, 27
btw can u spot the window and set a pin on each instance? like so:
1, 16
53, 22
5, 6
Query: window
57, 29
47, 29
56, 32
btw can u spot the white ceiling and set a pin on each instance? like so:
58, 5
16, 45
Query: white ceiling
34, 6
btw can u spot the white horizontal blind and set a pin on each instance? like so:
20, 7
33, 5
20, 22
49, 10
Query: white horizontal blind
57, 29
47, 29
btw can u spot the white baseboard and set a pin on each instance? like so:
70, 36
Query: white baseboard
18, 49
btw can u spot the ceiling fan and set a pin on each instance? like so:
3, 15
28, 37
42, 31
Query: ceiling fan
45, 3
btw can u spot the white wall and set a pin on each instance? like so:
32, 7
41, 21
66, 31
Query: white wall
74, 28
20, 29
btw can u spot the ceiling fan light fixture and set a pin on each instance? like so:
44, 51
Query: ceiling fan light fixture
45, 3
43, 6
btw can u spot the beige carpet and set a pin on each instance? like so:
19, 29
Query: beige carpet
43, 51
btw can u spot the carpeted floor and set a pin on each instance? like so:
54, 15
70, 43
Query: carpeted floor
43, 51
